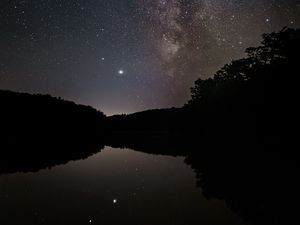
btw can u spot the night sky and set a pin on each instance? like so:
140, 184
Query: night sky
122, 56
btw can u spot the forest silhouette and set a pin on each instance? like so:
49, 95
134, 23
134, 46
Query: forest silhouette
238, 131
249, 102
39, 131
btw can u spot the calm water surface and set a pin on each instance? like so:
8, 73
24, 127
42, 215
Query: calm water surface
115, 186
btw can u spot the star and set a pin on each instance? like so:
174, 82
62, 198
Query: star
139, 44
114, 200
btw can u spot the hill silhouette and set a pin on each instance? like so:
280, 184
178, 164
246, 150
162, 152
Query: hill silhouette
249, 102
237, 132
39, 131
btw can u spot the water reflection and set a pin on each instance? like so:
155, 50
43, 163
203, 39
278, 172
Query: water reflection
160, 181
31, 153
112, 187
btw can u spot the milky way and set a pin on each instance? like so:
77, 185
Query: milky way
125, 56
195, 38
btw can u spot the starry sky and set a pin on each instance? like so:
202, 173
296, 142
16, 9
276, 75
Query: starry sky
122, 56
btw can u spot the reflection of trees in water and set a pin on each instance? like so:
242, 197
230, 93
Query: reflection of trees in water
246, 111
261, 187
22, 155
39, 131
251, 101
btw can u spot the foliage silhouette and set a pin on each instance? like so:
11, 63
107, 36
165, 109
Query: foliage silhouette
39, 131
151, 122
251, 99
238, 130
228, 131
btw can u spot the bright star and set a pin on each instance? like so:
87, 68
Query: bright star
115, 201
121, 72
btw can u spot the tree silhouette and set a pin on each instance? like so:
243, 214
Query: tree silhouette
277, 48
253, 96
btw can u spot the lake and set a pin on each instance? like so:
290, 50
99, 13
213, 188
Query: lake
114, 186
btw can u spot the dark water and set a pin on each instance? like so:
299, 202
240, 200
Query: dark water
114, 186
